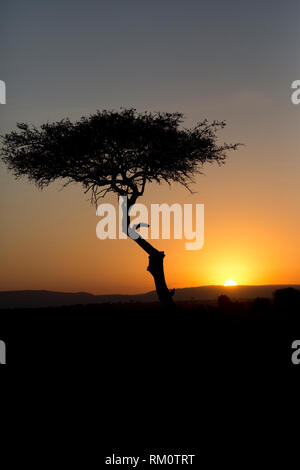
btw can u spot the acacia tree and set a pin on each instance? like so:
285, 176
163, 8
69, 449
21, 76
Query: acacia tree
116, 152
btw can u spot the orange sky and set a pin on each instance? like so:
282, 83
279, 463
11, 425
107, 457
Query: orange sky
252, 230
216, 60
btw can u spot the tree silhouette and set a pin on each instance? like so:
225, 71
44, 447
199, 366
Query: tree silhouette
116, 152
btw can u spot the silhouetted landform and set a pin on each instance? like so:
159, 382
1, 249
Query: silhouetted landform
44, 298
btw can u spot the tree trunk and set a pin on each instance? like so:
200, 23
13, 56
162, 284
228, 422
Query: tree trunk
156, 268
156, 263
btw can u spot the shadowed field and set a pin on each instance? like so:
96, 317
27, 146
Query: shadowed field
216, 336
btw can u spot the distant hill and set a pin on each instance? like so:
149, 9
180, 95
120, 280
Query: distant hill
43, 298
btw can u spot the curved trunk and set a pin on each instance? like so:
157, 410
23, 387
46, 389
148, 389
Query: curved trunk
156, 261
156, 269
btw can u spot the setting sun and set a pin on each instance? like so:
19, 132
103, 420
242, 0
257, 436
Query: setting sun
230, 282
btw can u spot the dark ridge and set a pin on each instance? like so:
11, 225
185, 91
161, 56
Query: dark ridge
44, 298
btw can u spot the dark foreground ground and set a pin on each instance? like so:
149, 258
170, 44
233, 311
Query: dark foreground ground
184, 378
221, 335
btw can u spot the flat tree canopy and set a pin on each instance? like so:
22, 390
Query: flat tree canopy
114, 151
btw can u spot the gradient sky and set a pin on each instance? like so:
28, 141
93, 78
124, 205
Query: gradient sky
232, 60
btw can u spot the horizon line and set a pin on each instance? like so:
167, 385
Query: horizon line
148, 292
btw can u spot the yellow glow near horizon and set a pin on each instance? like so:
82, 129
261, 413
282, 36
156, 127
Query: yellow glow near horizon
230, 282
